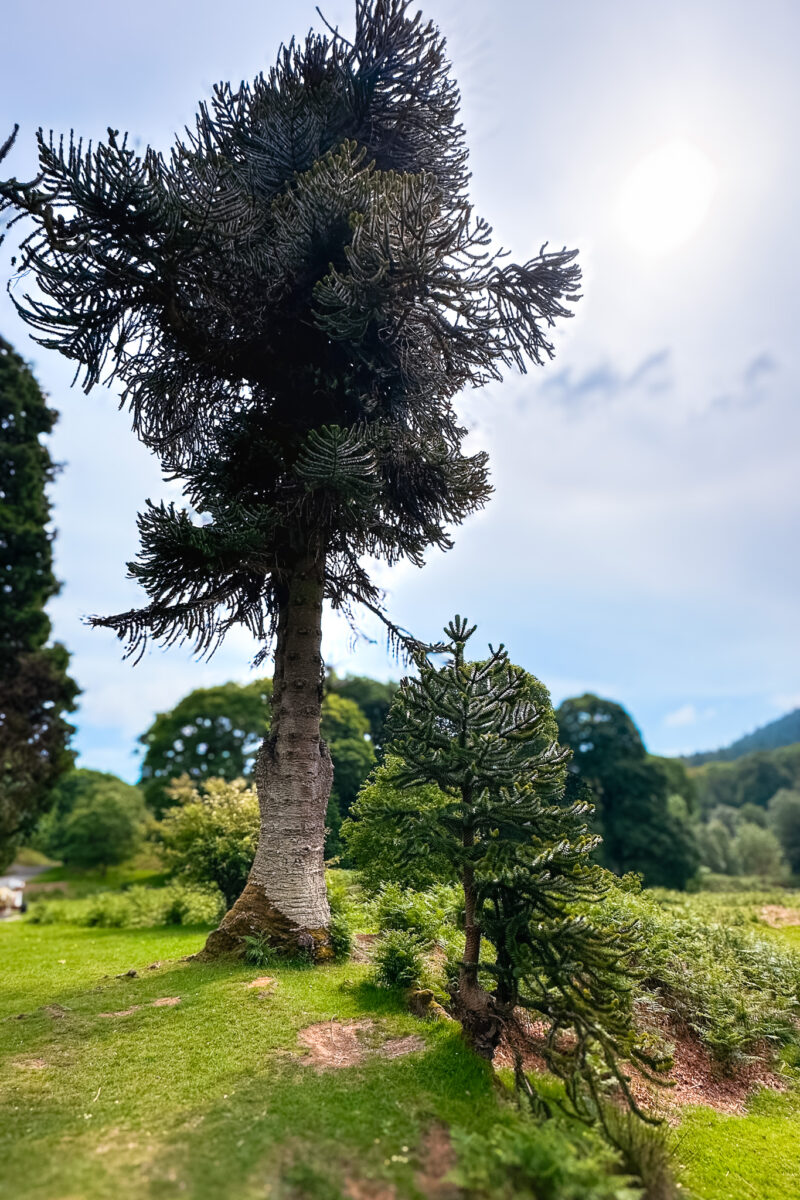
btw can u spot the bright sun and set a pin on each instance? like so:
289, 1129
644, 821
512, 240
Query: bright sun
666, 197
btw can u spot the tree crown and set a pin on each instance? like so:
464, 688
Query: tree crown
289, 300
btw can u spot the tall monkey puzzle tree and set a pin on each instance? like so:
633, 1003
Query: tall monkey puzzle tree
290, 300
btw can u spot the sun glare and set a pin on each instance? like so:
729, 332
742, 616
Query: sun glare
666, 197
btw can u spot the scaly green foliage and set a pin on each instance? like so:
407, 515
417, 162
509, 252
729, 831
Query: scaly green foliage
518, 1161
375, 834
523, 857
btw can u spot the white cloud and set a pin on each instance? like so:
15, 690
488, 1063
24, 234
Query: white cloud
685, 715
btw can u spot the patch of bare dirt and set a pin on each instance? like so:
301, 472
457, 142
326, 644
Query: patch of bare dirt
397, 1047
57, 1011
362, 947
437, 1160
697, 1078
779, 917
368, 1189
30, 1064
166, 1002
700, 1080
122, 1012
266, 984
336, 1044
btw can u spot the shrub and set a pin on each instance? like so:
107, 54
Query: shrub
340, 929
711, 971
759, 851
260, 952
524, 1160
399, 959
425, 914
97, 820
374, 840
210, 835
138, 907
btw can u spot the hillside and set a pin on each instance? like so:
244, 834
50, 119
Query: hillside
785, 731
752, 779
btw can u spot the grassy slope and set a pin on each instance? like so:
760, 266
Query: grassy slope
205, 1099
756, 1157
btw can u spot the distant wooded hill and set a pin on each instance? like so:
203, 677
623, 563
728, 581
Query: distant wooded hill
783, 732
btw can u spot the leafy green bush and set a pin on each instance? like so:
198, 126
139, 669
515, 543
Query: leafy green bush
97, 820
340, 929
784, 819
759, 852
209, 836
138, 907
425, 914
373, 839
399, 959
524, 1160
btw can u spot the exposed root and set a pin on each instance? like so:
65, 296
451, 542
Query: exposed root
482, 1019
254, 915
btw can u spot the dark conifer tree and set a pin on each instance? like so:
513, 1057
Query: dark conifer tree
523, 856
290, 301
35, 689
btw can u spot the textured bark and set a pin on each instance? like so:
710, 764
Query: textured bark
285, 897
475, 1008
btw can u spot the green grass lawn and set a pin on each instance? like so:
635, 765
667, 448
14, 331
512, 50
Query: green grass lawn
210, 1098
78, 882
755, 1157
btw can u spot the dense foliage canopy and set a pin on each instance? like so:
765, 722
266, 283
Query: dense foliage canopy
35, 690
289, 300
641, 831
97, 820
214, 733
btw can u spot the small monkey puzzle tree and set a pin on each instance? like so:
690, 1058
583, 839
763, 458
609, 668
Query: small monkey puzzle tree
483, 733
290, 301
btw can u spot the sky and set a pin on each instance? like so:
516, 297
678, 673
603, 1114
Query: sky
642, 539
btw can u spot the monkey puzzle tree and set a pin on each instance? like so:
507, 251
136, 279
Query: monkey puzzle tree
290, 300
484, 734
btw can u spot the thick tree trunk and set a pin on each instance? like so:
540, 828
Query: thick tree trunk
285, 897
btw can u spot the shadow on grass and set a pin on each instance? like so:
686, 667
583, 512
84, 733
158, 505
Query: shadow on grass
363, 1122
